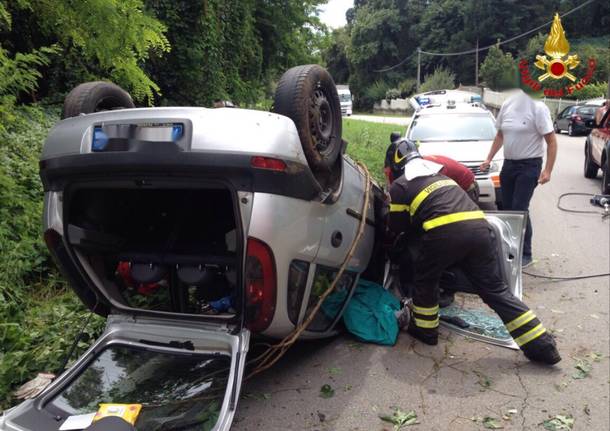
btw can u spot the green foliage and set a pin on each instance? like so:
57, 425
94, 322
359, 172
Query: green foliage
367, 142
335, 55
373, 93
407, 87
439, 80
104, 39
590, 91
38, 318
392, 93
499, 70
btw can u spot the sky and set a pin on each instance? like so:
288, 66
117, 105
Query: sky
333, 13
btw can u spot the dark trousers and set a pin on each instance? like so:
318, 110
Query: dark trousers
519, 178
471, 245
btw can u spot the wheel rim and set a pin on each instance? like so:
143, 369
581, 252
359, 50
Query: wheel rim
570, 129
321, 120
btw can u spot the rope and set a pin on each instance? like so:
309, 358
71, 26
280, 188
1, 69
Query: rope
275, 352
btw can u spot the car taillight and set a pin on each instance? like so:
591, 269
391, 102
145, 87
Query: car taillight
261, 285
268, 163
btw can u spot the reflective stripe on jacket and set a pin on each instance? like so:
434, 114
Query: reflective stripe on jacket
429, 202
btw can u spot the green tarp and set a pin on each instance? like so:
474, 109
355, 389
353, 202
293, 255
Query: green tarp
370, 313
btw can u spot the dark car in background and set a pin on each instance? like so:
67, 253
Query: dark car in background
575, 120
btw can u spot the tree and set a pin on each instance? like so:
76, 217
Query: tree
440, 79
499, 70
104, 39
335, 55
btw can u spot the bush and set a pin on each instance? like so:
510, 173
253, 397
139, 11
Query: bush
39, 318
407, 87
591, 91
499, 70
392, 93
441, 79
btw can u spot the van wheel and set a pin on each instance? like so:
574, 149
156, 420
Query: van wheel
95, 97
590, 166
308, 96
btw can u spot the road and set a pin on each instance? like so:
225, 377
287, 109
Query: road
450, 384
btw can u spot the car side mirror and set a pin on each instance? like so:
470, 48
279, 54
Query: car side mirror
394, 136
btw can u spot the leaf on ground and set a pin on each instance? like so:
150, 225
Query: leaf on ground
587, 410
491, 423
355, 345
333, 371
583, 369
561, 386
595, 356
559, 423
484, 381
326, 391
400, 418
347, 388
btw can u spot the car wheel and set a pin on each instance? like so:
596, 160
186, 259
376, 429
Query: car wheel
570, 130
606, 178
95, 96
557, 130
308, 96
590, 166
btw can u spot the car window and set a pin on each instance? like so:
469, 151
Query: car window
345, 97
586, 110
453, 127
564, 113
177, 391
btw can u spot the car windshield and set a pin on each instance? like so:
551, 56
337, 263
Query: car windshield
453, 127
345, 97
177, 391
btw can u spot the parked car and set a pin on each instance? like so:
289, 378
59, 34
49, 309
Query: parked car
597, 150
153, 214
464, 132
576, 120
345, 97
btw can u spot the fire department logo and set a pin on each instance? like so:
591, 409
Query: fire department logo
556, 64
556, 47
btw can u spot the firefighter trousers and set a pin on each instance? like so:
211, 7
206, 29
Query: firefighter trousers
471, 245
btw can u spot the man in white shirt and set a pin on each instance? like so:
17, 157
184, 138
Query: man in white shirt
523, 127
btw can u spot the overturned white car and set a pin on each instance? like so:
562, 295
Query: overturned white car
190, 228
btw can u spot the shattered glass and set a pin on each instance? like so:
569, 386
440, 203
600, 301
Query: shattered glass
480, 321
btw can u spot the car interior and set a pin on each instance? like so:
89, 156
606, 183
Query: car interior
172, 250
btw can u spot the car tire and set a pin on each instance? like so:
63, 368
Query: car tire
571, 130
308, 96
557, 129
95, 96
590, 166
606, 178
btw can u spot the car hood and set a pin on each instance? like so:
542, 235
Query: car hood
467, 151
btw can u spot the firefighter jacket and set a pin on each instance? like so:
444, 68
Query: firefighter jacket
426, 203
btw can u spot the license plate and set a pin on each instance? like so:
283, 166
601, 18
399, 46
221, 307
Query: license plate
159, 132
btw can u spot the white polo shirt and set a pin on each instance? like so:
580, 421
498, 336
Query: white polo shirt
523, 123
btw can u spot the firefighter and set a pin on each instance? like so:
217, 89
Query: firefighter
454, 231
459, 173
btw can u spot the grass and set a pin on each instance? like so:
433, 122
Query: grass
367, 143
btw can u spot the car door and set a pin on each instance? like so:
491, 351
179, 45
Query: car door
562, 121
186, 376
474, 319
599, 137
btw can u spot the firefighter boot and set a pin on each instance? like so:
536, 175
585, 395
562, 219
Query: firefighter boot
428, 336
543, 350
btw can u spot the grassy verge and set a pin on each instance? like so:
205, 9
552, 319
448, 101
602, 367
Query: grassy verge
367, 142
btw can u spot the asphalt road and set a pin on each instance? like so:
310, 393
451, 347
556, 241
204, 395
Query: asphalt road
450, 384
